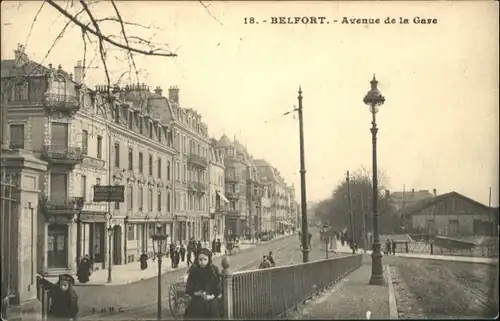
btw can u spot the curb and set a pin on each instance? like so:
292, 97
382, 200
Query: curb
393, 308
179, 269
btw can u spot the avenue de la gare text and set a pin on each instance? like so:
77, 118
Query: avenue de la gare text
345, 20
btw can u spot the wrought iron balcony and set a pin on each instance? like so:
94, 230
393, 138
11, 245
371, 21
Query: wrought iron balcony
65, 155
62, 103
68, 206
197, 160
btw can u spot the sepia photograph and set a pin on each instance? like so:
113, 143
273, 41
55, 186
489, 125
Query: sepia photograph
246, 160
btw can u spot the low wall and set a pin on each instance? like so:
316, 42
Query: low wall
268, 293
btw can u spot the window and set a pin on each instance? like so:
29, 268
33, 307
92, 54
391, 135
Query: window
16, 136
168, 202
150, 200
141, 198
21, 92
185, 173
150, 165
130, 159
177, 171
159, 167
117, 155
159, 201
130, 198
84, 187
168, 170
141, 163
117, 205
131, 232
159, 134
99, 146
130, 120
85, 141
140, 125
151, 130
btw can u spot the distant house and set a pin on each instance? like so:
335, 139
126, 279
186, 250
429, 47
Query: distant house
450, 214
402, 199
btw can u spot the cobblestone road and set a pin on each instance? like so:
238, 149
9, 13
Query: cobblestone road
138, 300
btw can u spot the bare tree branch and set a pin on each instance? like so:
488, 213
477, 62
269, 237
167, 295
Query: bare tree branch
131, 57
33, 24
113, 19
210, 13
102, 51
97, 33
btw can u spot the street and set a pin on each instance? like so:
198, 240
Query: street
139, 300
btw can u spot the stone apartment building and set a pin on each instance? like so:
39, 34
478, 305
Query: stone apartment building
218, 200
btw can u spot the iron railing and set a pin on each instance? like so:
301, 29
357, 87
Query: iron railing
270, 293
8, 203
61, 101
491, 249
62, 153
197, 160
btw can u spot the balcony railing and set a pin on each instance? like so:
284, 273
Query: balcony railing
93, 162
67, 206
197, 160
62, 103
62, 154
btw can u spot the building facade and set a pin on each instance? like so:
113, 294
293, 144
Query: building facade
450, 214
218, 201
402, 199
88, 138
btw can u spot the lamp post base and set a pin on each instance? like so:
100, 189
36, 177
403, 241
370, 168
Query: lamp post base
377, 277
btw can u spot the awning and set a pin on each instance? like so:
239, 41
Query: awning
223, 198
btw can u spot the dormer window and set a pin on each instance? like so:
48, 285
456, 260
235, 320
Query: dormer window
20, 92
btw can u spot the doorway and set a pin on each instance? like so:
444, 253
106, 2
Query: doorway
117, 245
57, 246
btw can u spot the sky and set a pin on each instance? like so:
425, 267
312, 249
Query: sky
437, 129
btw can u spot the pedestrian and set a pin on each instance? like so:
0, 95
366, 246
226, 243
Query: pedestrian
265, 264
214, 246
271, 259
218, 246
176, 258
83, 270
393, 247
182, 252
63, 298
204, 286
387, 247
143, 259
171, 250
198, 248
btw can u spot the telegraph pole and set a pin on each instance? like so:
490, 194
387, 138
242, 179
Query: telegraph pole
305, 227
351, 219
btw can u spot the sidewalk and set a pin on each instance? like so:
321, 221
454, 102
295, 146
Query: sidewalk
130, 273
470, 259
352, 298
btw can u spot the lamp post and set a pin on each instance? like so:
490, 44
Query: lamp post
374, 100
159, 249
110, 236
303, 198
78, 208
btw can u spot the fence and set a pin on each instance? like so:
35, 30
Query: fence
270, 293
489, 250
7, 207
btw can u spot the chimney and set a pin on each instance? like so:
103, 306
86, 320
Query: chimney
21, 58
173, 94
412, 193
78, 72
158, 90
434, 191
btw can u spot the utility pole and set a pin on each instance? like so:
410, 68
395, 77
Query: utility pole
305, 227
363, 216
351, 218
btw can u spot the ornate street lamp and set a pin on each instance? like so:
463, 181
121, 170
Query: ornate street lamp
110, 236
159, 249
78, 206
374, 100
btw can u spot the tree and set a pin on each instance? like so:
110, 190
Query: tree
335, 210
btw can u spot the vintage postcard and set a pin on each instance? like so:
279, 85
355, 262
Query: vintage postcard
166, 160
